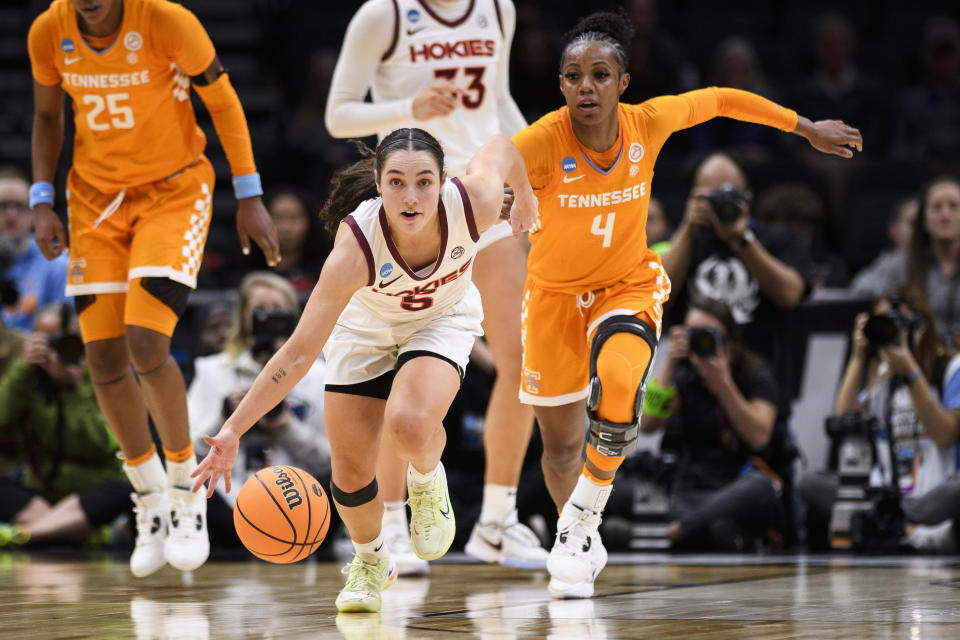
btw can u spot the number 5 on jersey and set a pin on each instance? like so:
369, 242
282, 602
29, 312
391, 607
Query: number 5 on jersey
121, 115
604, 229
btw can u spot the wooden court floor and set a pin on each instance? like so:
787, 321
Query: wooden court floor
638, 596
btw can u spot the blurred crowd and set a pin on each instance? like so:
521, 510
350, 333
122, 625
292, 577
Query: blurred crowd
880, 232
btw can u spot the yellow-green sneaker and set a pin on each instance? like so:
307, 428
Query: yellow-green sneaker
12, 535
367, 576
432, 525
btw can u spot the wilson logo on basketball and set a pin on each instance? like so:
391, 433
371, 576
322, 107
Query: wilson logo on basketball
290, 494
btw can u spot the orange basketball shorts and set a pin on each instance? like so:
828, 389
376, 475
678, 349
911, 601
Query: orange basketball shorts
153, 230
558, 327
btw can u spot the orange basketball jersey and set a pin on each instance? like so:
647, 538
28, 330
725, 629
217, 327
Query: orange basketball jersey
591, 231
131, 101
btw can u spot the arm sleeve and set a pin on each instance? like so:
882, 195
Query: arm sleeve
511, 119
369, 36
225, 109
42, 51
178, 34
666, 114
536, 143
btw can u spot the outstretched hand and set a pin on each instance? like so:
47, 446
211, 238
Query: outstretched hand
830, 136
223, 451
253, 221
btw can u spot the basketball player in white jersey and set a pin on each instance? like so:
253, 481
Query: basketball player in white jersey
396, 312
443, 66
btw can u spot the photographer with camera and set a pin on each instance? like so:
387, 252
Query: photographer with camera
292, 432
759, 271
28, 282
717, 402
901, 373
71, 480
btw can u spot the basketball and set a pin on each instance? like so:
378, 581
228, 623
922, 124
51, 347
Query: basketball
281, 514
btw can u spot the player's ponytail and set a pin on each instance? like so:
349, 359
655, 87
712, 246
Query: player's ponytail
356, 183
614, 29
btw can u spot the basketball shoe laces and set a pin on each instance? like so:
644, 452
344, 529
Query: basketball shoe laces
363, 575
425, 503
574, 537
149, 521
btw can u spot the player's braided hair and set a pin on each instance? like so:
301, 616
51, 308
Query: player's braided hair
614, 29
356, 183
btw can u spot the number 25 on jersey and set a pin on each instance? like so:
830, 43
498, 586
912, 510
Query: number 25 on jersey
119, 115
603, 228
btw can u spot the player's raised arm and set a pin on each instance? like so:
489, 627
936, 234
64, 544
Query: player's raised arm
344, 271
495, 163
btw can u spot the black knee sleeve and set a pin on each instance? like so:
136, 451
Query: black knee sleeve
172, 294
355, 498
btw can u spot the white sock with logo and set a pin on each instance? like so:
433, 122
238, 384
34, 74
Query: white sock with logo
590, 495
375, 547
499, 504
148, 476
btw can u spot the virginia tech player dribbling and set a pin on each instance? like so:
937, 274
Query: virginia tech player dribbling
443, 66
138, 198
593, 301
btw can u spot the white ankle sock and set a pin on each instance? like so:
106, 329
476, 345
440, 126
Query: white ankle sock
590, 495
375, 547
423, 478
499, 504
178, 473
147, 477
395, 514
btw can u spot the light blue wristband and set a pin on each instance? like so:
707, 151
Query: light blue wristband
41, 193
247, 186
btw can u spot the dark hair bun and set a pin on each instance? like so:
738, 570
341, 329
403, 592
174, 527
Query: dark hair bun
616, 26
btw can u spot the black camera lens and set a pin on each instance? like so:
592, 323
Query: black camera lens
68, 347
882, 329
727, 203
704, 341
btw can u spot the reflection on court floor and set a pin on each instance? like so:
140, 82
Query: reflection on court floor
638, 596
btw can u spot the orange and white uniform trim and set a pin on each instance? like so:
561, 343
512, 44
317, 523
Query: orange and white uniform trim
589, 258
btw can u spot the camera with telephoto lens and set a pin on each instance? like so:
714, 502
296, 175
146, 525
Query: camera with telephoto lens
8, 288
883, 329
727, 202
67, 344
705, 341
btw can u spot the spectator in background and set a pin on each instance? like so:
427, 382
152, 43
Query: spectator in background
796, 207
658, 227
37, 281
658, 63
294, 433
718, 404
759, 271
928, 127
869, 283
837, 88
737, 66
303, 244
73, 481
214, 328
913, 388
932, 263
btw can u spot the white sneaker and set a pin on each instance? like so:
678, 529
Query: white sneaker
188, 544
151, 520
511, 544
367, 577
401, 550
432, 526
578, 554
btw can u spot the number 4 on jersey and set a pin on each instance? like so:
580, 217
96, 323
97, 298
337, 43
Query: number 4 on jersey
606, 230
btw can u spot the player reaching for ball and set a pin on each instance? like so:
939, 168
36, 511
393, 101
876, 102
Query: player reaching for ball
396, 314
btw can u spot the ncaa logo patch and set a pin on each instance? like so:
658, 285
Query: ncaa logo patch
636, 152
568, 164
67, 45
456, 253
133, 40
386, 270
413, 15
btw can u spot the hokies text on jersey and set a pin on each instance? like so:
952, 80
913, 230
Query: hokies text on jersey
459, 49
421, 296
604, 198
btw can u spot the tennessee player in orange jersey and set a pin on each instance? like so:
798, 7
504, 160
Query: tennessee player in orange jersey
594, 294
138, 202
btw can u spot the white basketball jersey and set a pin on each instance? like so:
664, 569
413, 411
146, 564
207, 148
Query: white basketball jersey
427, 48
394, 291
